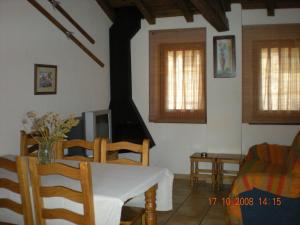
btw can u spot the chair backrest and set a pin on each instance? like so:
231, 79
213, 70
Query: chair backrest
85, 197
22, 188
143, 149
94, 146
27, 144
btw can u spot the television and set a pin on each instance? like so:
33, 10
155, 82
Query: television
97, 124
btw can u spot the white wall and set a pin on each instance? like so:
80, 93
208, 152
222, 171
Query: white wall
223, 132
28, 38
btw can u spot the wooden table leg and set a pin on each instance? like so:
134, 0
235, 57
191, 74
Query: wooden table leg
192, 173
197, 172
214, 172
220, 175
150, 206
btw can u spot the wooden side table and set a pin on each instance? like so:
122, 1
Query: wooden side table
197, 173
228, 159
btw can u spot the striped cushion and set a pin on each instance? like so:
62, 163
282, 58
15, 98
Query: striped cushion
271, 168
294, 157
270, 153
296, 140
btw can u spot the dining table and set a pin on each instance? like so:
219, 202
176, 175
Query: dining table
114, 185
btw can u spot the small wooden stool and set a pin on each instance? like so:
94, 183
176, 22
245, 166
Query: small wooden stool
228, 159
197, 173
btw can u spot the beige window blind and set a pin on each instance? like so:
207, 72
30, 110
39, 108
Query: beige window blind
180, 78
271, 74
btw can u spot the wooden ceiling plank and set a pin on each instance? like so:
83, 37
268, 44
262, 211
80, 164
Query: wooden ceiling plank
271, 4
212, 11
145, 11
261, 4
56, 4
169, 8
109, 11
188, 15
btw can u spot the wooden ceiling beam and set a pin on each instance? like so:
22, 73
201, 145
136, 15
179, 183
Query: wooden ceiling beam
188, 15
212, 11
145, 11
260, 4
109, 11
271, 4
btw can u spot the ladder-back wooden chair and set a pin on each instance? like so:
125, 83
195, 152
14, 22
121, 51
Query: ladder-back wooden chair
130, 215
85, 197
142, 149
28, 145
94, 146
21, 187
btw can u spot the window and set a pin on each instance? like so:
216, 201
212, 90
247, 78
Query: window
279, 78
275, 75
180, 80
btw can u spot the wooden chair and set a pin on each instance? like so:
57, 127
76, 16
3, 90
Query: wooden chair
85, 197
69, 144
130, 215
22, 188
28, 145
142, 149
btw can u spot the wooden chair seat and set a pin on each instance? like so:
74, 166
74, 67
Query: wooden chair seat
130, 215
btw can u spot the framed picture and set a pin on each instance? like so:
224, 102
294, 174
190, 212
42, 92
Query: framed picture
45, 79
224, 56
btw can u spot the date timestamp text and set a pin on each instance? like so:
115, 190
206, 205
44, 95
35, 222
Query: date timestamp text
245, 201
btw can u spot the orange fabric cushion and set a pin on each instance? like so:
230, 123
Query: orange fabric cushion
294, 156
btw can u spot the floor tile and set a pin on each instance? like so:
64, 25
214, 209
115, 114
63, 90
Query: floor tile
183, 220
191, 205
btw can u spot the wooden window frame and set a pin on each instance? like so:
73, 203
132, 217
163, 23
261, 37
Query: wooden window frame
253, 36
177, 38
179, 115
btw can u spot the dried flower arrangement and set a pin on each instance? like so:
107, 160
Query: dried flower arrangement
48, 128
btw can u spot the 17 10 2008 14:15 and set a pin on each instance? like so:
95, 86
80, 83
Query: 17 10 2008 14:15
246, 201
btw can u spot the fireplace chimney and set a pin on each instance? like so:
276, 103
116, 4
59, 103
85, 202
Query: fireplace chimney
127, 123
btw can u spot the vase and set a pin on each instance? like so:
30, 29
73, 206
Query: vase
46, 154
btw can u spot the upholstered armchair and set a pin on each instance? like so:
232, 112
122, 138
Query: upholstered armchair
267, 189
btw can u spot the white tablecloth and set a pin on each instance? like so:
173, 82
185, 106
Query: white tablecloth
113, 185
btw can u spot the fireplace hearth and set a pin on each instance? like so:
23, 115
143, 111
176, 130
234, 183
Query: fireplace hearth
127, 123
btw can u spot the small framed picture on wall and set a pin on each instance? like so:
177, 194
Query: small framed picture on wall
45, 79
224, 56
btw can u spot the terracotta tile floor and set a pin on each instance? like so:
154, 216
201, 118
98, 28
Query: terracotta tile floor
191, 206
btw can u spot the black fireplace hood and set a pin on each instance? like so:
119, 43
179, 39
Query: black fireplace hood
127, 123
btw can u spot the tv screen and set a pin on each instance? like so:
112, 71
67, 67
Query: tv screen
97, 124
102, 126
